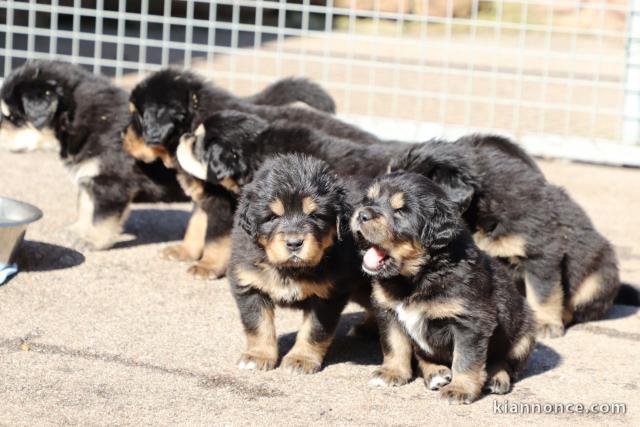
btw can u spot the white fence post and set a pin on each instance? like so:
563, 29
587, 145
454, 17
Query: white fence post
631, 124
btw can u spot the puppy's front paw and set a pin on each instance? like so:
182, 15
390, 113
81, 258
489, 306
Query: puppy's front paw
550, 330
389, 377
203, 272
256, 362
437, 377
301, 364
457, 394
176, 253
499, 383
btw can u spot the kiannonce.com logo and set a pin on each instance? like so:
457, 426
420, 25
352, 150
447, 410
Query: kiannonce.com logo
524, 408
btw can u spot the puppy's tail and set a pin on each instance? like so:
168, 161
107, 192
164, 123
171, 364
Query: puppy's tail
290, 90
628, 295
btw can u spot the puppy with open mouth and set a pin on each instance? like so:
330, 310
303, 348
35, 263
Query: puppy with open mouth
437, 294
291, 248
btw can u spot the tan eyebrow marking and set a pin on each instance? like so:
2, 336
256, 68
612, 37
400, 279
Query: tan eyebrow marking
277, 207
374, 191
308, 205
397, 200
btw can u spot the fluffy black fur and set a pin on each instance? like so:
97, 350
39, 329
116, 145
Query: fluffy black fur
291, 248
170, 103
434, 288
87, 114
569, 270
290, 90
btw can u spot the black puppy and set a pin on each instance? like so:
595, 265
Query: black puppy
86, 114
435, 290
231, 145
291, 248
569, 270
170, 103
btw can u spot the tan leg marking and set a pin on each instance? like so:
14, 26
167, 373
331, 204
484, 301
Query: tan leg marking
435, 376
215, 260
396, 366
96, 234
499, 380
587, 291
548, 313
262, 348
505, 247
521, 349
193, 243
306, 356
465, 386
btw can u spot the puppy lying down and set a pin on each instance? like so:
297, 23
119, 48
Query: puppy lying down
291, 248
437, 294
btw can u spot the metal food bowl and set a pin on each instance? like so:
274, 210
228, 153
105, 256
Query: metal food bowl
15, 216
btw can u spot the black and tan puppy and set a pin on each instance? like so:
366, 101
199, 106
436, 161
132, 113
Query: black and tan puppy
290, 249
569, 270
170, 103
437, 293
87, 115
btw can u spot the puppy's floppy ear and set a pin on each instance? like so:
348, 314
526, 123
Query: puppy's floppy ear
441, 227
343, 213
245, 219
459, 190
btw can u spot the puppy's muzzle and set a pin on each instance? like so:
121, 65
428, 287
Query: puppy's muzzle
365, 214
293, 243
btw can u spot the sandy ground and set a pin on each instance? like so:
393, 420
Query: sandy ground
123, 337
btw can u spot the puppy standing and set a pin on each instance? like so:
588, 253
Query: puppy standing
86, 114
436, 291
289, 250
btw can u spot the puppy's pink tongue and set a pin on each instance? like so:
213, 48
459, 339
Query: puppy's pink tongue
373, 257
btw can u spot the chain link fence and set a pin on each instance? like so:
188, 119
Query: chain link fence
560, 76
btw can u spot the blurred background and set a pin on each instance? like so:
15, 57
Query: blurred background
560, 76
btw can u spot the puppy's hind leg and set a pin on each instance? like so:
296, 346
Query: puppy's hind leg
546, 297
594, 295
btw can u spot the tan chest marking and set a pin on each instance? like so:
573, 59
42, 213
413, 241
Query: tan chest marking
269, 281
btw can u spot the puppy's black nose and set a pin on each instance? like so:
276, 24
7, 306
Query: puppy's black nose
366, 214
294, 243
